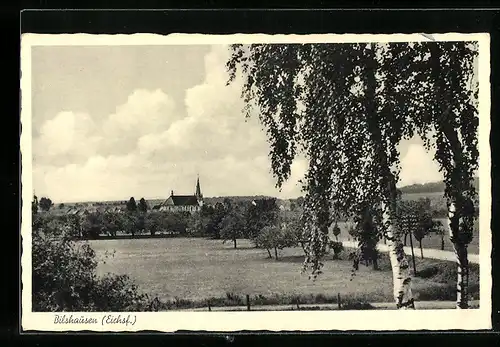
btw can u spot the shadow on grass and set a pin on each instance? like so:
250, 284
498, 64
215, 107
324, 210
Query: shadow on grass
291, 259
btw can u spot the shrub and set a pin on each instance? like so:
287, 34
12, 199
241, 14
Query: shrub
356, 305
428, 272
447, 292
337, 248
65, 278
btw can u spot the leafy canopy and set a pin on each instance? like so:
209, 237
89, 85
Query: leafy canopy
346, 107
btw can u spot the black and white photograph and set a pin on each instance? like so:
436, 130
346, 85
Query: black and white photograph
255, 182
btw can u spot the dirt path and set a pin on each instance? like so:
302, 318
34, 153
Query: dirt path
428, 252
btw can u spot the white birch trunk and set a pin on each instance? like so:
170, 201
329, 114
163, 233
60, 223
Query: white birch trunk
400, 268
461, 258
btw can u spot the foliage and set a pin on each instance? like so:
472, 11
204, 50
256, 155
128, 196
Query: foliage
155, 222
357, 305
259, 214
285, 233
415, 218
232, 224
139, 222
336, 231
112, 222
349, 134
131, 205
65, 278
206, 223
92, 225
34, 205
177, 222
45, 204
337, 248
213, 217
365, 232
143, 205
346, 107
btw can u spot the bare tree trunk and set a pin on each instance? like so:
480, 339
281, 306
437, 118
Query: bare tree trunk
404, 240
421, 250
375, 263
276, 253
400, 267
460, 251
442, 242
234, 240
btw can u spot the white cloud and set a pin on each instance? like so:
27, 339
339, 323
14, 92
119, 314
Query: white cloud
145, 112
146, 148
68, 133
151, 145
418, 166
99, 178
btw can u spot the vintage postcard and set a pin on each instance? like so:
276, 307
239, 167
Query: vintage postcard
255, 182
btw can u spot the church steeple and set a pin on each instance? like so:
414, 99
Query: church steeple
198, 189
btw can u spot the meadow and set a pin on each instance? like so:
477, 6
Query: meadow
197, 269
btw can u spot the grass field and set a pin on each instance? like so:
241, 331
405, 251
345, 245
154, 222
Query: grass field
196, 269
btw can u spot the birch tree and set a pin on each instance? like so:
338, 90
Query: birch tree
346, 107
322, 100
449, 122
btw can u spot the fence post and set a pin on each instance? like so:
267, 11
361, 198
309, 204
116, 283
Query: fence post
248, 302
338, 301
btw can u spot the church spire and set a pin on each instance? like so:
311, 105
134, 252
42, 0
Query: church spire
198, 189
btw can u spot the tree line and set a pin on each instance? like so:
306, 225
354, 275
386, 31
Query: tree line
259, 220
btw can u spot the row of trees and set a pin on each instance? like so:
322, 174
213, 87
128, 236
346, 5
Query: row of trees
346, 108
95, 224
132, 206
44, 204
260, 220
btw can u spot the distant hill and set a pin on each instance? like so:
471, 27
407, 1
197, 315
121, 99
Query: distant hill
431, 187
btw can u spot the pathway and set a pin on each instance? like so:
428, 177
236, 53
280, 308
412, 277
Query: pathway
428, 252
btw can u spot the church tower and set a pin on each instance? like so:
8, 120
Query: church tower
198, 193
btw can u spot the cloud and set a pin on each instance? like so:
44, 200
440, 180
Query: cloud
74, 137
68, 135
418, 166
152, 144
214, 125
145, 112
99, 177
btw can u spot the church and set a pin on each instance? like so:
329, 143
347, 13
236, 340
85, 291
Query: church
186, 203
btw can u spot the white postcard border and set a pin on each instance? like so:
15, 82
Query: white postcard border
269, 321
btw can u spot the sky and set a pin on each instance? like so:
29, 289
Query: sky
111, 122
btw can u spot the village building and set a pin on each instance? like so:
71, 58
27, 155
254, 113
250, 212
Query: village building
183, 203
